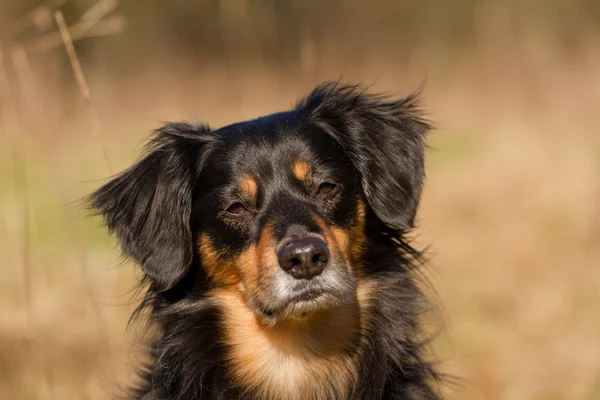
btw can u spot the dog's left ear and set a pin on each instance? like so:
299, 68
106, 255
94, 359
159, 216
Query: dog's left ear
383, 138
149, 205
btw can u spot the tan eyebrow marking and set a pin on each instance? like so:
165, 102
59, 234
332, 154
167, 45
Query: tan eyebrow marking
248, 186
301, 169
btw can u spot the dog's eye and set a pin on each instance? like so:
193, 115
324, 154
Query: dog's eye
326, 188
236, 209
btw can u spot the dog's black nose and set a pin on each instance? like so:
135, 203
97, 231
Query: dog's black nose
303, 258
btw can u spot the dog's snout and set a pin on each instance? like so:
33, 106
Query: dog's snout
303, 258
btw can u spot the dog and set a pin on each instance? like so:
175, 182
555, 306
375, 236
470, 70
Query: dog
275, 252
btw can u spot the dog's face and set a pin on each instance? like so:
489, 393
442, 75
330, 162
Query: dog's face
275, 208
278, 214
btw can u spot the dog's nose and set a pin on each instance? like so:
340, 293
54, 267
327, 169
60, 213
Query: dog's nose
303, 258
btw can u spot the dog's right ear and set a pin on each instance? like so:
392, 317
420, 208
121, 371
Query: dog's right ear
149, 205
384, 140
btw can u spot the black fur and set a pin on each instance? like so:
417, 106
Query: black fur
149, 206
159, 206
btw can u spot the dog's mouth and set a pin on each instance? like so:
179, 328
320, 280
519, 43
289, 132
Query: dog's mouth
308, 296
312, 301
301, 304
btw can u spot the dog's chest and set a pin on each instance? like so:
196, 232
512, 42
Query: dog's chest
295, 374
282, 364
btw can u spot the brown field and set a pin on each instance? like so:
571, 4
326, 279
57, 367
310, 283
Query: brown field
511, 208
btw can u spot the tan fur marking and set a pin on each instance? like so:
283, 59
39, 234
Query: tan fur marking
357, 236
265, 241
293, 361
248, 187
365, 295
247, 265
302, 170
340, 248
217, 266
256, 257
352, 241
332, 241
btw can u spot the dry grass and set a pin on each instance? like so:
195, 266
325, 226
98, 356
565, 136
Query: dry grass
516, 259
511, 210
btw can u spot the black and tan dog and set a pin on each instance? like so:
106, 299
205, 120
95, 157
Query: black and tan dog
276, 252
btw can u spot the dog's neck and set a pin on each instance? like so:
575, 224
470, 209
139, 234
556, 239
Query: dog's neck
294, 359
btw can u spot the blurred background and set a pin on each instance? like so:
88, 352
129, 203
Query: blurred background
511, 209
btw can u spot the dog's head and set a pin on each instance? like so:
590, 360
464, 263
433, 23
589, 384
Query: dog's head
275, 208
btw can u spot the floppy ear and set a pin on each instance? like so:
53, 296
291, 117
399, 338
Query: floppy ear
384, 140
149, 205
